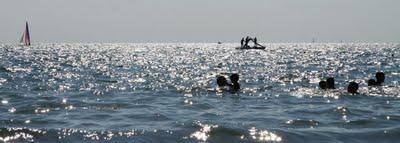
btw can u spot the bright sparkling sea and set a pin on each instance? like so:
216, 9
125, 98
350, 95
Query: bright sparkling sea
167, 93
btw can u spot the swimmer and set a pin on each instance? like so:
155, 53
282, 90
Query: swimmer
371, 82
380, 78
322, 85
221, 81
353, 88
330, 82
235, 86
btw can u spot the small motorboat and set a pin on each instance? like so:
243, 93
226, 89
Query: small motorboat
245, 41
245, 47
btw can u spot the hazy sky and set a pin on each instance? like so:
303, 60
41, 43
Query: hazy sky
201, 20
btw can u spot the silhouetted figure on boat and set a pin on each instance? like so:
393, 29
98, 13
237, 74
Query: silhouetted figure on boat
241, 42
380, 78
246, 45
328, 84
352, 88
235, 86
247, 41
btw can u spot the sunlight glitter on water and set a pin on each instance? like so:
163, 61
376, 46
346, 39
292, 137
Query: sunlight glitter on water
103, 91
264, 135
203, 133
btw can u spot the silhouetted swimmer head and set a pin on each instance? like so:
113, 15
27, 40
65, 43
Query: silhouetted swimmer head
221, 81
352, 88
234, 78
322, 85
380, 78
330, 83
235, 84
371, 82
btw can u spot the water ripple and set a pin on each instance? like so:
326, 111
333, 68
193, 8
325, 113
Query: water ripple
166, 92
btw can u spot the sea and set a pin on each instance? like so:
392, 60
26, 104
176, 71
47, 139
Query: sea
167, 93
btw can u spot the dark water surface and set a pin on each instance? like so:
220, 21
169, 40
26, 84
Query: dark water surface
166, 93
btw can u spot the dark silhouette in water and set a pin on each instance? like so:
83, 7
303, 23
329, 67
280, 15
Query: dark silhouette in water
255, 41
371, 82
380, 78
221, 81
235, 82
352, 88
328, 84
322, 85
241, 42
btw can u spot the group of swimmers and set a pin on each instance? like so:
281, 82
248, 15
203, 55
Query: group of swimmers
233, 87
353, 86
245, 41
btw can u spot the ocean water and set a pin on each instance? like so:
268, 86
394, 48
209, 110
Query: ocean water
167, 93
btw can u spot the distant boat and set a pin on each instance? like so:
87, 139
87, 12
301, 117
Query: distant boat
219, 42
246, 47
25, 39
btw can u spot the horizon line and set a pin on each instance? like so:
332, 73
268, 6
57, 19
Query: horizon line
345, 42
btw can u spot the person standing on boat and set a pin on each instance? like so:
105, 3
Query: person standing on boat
255, 41
247, 41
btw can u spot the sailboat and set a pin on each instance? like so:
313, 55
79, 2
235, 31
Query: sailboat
25, 39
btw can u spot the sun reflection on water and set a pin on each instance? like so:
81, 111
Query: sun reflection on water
264, 135
69, 84
203, 133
